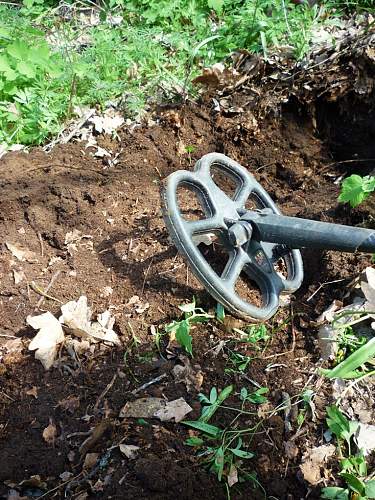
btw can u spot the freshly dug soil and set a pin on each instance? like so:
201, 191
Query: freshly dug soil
125, 252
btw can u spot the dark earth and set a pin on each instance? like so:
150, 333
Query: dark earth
46, 195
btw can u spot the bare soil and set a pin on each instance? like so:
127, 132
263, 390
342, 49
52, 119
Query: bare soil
43, 197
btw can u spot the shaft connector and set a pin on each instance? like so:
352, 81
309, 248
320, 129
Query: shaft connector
240, 233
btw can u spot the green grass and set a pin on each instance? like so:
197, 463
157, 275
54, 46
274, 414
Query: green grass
151, 55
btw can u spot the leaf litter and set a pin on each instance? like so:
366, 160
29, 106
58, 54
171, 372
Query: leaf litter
75, 320
165, 411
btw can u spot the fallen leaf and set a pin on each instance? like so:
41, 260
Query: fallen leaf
142, 408
291, 449
90, 460
139, 307
232, 476
50, 433
329, 313
18, 276
156, 408
65, 476
45, 342
313, 461
73, 238
191, 376
70, 404
365, 438
129, 450
101, 152
76, 315
22, 254
34, 481
33, 392
107, 123
174, 410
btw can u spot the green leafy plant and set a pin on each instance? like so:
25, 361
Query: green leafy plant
237, 362
255, 397
355, 189
212, 403
256, 333
152, 53
354, 366
347, 342
353, 467
181, 329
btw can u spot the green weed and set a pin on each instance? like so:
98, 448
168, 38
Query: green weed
353, 468
354, 366
355, 189
151, 55
181, 329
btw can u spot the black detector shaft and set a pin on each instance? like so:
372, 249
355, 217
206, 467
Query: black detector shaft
255, 240
295, 232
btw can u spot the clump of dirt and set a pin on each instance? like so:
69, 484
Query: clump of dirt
124, 262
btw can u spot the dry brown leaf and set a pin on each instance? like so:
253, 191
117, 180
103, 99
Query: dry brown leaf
22, 254
142, 408
174, 410
18, 276
191, 376
33, 392
129, 450
45, 342
156, 408
70, 404
311, 472
232, 476
291, 449
365, 438
314, 460
76, 317
90, 460
50, 433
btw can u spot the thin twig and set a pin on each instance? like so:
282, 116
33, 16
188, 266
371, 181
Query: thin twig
41, 244
39, 291
146, 274
293, 339
151, 382
324, 284
109, 386
61, 484
79, 434
6, 395
41, 300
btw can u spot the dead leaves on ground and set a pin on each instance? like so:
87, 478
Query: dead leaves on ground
313, 462
76, 320
165, 411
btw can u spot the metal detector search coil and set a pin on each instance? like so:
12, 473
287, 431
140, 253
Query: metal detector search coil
255, 240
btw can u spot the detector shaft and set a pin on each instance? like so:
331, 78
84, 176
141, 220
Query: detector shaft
295, 232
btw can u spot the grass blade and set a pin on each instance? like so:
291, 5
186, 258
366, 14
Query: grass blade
347, 368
